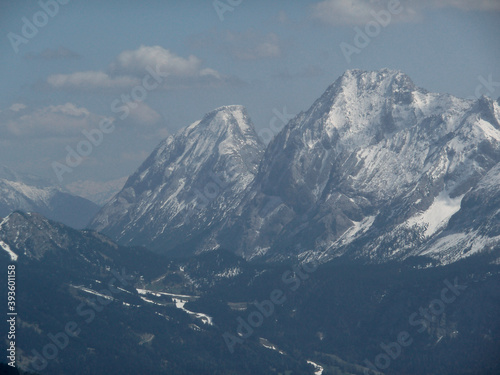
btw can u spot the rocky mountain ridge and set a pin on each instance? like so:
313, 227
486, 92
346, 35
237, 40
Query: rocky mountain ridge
33, 194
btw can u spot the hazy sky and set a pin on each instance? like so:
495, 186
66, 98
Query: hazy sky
69, 69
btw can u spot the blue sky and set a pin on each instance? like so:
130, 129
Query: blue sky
270, 56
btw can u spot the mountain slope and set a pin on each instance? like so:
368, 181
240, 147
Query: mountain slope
475, 227
33, 194
132, 311
138, 313
187, 185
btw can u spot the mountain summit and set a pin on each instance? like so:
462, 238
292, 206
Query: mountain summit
188, 184
374, 169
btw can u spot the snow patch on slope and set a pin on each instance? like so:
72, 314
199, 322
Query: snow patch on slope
13, 256
456, 246
438, 214
90, 291
318, 370
268, 345
179, 303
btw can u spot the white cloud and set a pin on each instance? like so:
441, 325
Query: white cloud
131, 66
136, 61
343, 12
69, 109
16, 107
67, 120
90, 80
144, 115
60, 121
209, 72
359, 12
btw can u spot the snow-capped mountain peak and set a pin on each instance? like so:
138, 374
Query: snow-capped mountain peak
191, 177
375, 153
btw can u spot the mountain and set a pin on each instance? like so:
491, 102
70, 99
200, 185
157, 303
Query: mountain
192, 181
105, 308
376, 169
87, 305
33, 194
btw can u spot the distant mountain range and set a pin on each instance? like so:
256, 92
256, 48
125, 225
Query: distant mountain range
98, 192
377, 169
33, 194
